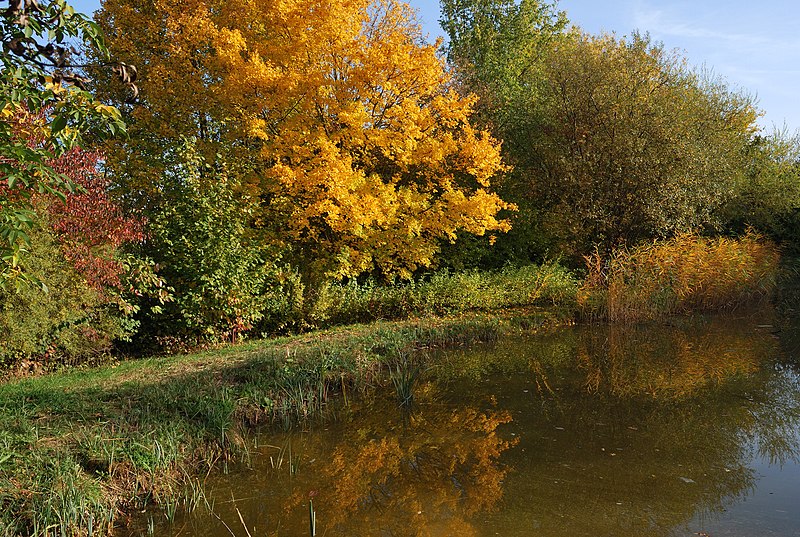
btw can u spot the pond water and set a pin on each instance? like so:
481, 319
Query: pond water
680, 430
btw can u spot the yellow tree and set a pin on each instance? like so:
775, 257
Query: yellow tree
336, 118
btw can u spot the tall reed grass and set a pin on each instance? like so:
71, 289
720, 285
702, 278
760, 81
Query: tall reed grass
684, 274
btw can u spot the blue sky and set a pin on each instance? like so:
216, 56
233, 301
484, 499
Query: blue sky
754, 46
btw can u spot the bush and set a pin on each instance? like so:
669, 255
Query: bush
680, 275
445, 293
71, 322
224, 279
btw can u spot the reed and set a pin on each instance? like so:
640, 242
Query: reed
681, 275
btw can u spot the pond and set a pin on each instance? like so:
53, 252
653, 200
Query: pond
686, 429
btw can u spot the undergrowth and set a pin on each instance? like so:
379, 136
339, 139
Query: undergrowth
444, 293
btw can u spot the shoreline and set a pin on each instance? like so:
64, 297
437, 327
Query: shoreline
83, 448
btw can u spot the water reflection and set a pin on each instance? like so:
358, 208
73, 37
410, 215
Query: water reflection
637, 429
595, 430
428, 475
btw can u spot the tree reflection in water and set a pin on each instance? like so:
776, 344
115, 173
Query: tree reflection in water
637, 430
595, 430
426, 475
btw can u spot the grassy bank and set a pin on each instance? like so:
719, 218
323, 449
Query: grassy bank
80, 449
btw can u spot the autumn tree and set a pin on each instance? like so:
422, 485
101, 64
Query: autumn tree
634, 144
335, 124
77, 255
41, 76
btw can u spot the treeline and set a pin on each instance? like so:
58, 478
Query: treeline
278, 155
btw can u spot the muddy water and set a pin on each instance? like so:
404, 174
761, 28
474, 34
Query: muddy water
687, 429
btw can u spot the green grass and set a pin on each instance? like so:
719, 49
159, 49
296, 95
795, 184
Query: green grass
548, 285
81, 448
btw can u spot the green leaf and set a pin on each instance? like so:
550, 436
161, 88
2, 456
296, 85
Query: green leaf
58, 124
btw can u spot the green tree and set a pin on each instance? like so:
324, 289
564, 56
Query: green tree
496, 47
224, 280
612, 140
633, 144
497, 50
767, 196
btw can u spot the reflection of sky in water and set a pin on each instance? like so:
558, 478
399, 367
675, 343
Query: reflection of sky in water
772, 509
658, 431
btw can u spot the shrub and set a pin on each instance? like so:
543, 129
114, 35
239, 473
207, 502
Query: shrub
69, 323
680, 275
71, 299
224, 278
445, 293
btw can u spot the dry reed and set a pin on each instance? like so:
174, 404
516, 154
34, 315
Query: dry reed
685, 274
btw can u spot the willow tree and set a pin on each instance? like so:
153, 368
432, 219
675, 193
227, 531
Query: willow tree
334, 122
613, 140
633, 143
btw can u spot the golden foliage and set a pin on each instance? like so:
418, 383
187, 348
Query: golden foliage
667, 364
339, 119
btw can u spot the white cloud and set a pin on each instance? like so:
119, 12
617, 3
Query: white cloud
752, 48
696, 24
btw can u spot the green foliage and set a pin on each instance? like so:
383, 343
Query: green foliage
69, 324
38, 77
75, 498
223, 279
446, 294
497, 47
633, 144
612, 140
767, 197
